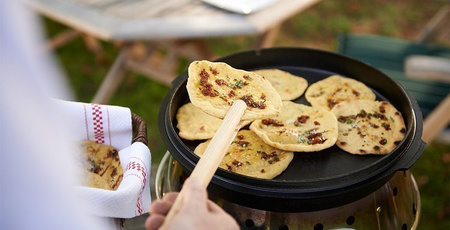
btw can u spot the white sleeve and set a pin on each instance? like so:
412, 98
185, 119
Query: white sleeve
36, 179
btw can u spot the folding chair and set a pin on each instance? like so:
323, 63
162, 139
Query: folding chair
389, 55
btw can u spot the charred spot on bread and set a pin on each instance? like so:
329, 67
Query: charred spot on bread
248, 154
102, 164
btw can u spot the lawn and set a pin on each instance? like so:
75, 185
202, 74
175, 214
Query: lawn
318, 28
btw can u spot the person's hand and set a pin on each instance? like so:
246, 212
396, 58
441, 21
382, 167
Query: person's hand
196, 211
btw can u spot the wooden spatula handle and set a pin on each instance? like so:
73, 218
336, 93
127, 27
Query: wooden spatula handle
211, 158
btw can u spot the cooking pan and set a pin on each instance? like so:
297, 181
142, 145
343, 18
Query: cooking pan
313, 181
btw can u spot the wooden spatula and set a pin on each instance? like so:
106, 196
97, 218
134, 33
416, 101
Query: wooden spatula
211, 86
209, 162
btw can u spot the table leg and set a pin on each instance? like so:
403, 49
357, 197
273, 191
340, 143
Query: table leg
195, 49
438, 21
62, 38
151, 63
267, 39
94, 46
162, 68
113, 78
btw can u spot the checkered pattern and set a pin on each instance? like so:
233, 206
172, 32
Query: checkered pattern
97, 119
112, 125
136, 166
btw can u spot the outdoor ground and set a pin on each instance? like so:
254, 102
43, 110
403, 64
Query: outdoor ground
318, 28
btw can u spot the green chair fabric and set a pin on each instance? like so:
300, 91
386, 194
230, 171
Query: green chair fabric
389, 54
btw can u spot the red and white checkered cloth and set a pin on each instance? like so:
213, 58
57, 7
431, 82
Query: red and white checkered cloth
111, 125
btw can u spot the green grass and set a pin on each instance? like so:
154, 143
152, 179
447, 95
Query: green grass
432, 173
317, 27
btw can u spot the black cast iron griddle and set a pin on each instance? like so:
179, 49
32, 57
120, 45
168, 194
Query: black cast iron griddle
328, 163
315, 179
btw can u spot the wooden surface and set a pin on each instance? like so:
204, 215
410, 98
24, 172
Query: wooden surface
428, 68
177, 27
434, 69
163, 19
436, 121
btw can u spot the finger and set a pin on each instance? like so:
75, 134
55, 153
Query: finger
170, 197
194, 196
153, 222
225, 217
213, 207
161, 207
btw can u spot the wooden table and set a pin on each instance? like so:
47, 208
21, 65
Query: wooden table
179, 26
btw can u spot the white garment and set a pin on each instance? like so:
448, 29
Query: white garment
36, 188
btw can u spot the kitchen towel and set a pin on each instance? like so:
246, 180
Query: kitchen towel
112, 125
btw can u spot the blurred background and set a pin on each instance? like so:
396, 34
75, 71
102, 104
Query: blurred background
318, 27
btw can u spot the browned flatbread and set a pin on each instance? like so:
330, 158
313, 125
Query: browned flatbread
287, 85
330, 91
194, 124
93, 180
214, 86
113, 174
368, 127
104, 161
299, 128
249, 155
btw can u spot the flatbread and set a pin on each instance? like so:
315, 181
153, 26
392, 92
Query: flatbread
330, 91
214, 86
93, 180
368, 127
102, 160
287, 85
113, 174
249, 155
194, 124
299, 128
